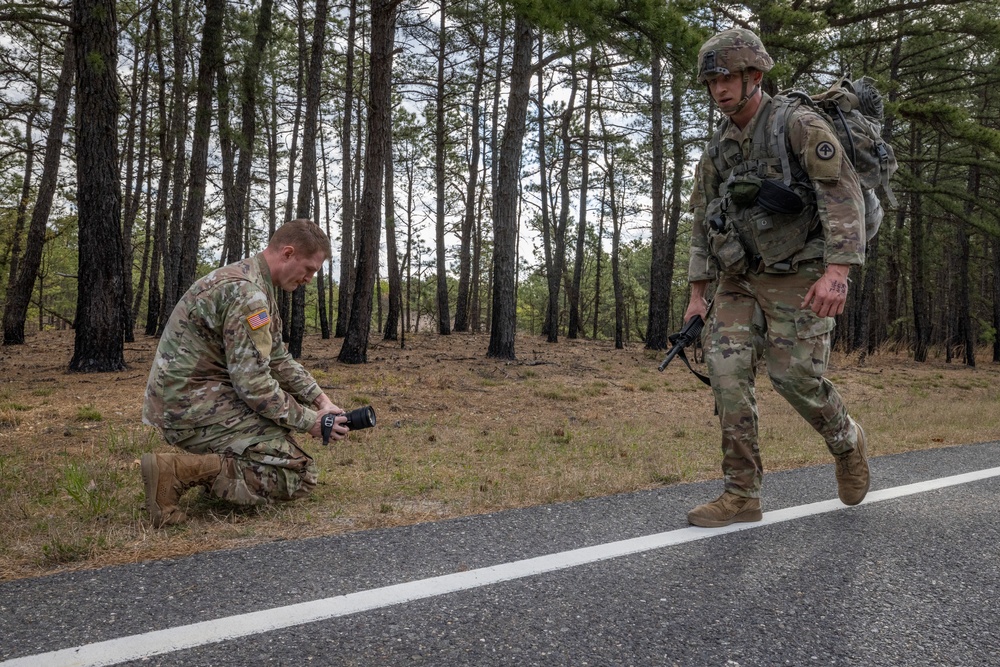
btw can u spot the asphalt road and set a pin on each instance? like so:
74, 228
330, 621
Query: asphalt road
908, 578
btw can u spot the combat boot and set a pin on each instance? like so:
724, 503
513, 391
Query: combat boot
167, 476
724, 510
853, 478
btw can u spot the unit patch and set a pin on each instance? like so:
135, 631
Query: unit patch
825, 150
258, 320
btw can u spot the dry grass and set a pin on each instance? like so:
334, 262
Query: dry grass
458, 434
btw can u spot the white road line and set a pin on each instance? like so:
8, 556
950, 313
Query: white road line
123, 649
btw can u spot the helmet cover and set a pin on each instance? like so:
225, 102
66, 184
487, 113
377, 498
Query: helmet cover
730, 51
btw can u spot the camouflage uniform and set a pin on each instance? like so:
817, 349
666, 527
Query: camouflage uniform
784, 255
223, 382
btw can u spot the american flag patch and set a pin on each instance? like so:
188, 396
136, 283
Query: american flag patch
258, 319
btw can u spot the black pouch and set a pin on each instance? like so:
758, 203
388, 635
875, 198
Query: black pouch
776, 197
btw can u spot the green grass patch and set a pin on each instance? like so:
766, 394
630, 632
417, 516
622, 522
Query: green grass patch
61, 550
131, 442
88, 413
93, 487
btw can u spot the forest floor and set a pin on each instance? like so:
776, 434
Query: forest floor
457, 434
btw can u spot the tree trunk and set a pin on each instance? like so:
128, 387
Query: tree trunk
307, 182
677, 90
659, 286
347, 193
616, 231
921, 319
562, 223
326, 331
132, 209
250, 79
133, 193
475, 300
865, 340
227, 152
996, 300
20, 288
21, 212
392, 257
597, 260
272, 161
147, 246
575, 321
964, 335
161, 213
178, 126
504, 316
99, 344
324, 322
444, 312
408, 257
462, 300
551, 323
355, 347
194, 209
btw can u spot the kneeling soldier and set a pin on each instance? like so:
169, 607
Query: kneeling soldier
224, 388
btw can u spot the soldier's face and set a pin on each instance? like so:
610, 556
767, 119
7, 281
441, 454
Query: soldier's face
297, 268
727, 91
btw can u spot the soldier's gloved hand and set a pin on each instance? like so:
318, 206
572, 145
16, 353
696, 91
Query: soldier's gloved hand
338, 432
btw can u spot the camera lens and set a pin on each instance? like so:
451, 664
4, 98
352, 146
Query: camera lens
360, 418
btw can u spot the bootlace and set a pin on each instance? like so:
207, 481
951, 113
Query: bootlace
849, 463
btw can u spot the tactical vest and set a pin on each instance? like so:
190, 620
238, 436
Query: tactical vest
769, 237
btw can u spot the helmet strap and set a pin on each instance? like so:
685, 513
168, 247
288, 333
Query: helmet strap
745, 98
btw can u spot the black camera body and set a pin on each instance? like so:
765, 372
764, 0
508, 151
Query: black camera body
357, 419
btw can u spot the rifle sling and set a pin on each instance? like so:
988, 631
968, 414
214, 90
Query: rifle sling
703, 378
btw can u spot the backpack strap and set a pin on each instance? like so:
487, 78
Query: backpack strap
883, 158
782, 112
715, 151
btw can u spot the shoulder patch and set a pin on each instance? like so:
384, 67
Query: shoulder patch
825, 150
258, 320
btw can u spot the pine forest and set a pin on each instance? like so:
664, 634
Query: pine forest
514, 167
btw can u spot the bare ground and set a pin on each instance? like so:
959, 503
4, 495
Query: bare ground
458, 434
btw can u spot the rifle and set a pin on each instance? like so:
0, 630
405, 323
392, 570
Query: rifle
686, 336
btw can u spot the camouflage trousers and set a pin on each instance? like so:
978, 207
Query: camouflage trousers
261, 461
758, 316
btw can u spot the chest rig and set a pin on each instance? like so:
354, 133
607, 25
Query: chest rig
765, 193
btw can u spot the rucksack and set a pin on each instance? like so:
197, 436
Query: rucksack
854, 110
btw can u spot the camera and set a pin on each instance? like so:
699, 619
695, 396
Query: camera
357, 419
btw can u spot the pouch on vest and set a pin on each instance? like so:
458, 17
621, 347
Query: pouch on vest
724, 241
728, 250
743, 192
776, 197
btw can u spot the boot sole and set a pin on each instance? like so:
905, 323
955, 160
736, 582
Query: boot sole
743, 517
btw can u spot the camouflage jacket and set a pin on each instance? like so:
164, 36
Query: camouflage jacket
832, 224
221, 354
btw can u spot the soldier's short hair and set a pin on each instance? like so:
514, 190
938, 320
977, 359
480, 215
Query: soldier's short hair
302, 234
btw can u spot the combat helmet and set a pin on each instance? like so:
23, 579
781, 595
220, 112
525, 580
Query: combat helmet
731, 51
